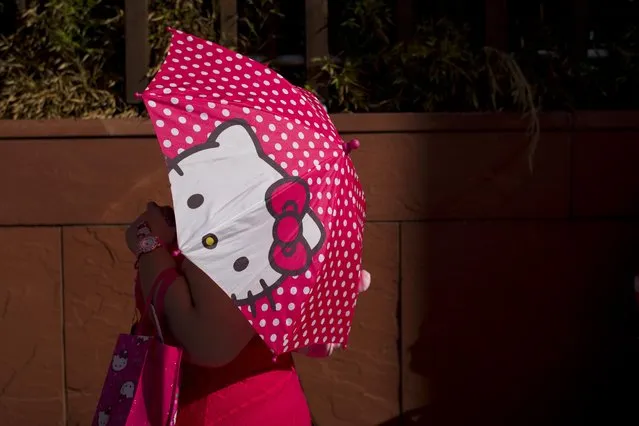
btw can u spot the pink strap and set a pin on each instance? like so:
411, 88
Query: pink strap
165, 280
149, 307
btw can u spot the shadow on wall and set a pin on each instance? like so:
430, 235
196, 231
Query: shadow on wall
518, 322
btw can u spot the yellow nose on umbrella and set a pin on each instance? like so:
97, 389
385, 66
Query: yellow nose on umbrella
209, 241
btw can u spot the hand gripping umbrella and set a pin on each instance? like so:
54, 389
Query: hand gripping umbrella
267, 201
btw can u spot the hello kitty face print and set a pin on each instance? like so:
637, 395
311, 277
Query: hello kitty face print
142, 339
119, 361
127, 390
240, 217
141, 385
277, 224
104, 417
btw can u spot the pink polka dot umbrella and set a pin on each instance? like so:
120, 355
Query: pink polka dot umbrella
266, 198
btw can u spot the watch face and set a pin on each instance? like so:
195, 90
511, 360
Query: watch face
148, 243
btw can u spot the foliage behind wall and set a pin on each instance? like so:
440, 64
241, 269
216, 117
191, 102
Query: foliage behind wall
65, 58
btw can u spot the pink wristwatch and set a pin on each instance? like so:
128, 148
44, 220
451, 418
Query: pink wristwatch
147, 244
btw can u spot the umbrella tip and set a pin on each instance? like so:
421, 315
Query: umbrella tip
351, 145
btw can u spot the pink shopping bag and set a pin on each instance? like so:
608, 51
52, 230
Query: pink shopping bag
142, 383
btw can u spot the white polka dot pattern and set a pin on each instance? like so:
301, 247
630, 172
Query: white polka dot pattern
199, 86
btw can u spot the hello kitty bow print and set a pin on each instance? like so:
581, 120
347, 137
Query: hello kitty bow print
266, 197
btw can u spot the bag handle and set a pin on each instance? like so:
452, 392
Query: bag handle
149, 307
156, 322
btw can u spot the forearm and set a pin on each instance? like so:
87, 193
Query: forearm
211, 333
212, 330
177, 298
217, 331
150, 266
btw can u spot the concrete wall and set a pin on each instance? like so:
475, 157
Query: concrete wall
499, 296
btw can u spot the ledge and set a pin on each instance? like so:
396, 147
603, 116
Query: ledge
346, 123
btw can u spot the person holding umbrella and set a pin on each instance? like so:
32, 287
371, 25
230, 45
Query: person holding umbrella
262, 255
229, 376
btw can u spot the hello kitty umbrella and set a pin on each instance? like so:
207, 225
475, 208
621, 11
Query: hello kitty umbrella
266, 198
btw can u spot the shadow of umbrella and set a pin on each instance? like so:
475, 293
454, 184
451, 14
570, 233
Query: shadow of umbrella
417, 417
423, 415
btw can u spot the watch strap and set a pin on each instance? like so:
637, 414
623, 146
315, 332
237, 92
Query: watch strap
143, 230
146, 245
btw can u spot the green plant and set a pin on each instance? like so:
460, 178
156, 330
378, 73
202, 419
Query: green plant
67, 57
437, 70
191, 16
57, 64
255, 16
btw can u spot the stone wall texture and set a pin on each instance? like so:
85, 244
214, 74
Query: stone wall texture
501, 296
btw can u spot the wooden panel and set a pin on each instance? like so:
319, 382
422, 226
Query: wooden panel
316, 30
98, 303
80, 181
31, 371
518, 323
606, 120
437, 175
405, 18
406, 177
316, 34
57, 129
414, 298
359, 386
136, 26
228, 22
346, 123
497, 24
605, 177
580, 11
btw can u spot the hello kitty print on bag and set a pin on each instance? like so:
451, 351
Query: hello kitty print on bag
141, 386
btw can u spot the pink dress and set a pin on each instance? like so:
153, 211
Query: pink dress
253, 389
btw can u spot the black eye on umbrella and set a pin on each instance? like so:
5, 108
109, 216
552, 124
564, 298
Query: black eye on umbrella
195, 201
240, 264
